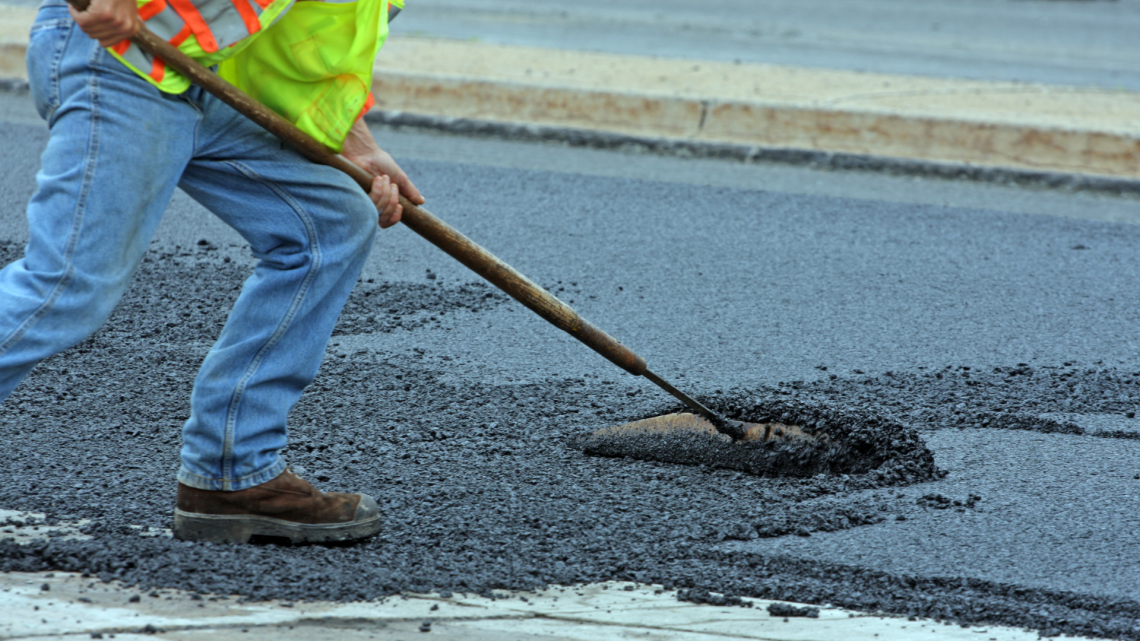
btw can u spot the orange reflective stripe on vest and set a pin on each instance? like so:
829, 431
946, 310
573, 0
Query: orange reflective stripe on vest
314, 67
248, 15
158, 69
218, 24
197, 23
165, 23
151, 9
214, 24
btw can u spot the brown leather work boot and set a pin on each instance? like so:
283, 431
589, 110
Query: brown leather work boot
286, 507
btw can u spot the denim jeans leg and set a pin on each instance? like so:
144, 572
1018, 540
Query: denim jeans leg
115, 151
311, 229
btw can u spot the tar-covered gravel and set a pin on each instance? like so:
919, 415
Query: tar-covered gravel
833, 443
474, 497
1003, 343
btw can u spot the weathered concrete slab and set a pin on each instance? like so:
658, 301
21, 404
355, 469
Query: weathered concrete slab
67, 606
14, 24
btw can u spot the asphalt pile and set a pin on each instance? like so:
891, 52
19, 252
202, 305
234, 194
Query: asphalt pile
841, 443
477, 480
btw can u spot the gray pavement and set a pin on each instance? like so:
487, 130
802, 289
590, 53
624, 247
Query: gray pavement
1068, 43
1068, 501
734, 280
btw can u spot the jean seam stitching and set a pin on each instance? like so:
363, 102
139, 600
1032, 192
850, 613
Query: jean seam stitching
54, 75
197, 124
77, 222
54, 103
239, 390
63, 26
54, 23
228, 484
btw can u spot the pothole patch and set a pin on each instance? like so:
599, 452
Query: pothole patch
877, 451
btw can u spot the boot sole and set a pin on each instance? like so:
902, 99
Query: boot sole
225, 528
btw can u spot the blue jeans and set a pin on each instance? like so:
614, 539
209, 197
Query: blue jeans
118, 147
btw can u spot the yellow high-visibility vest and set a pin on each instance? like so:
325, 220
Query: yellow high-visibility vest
310, 61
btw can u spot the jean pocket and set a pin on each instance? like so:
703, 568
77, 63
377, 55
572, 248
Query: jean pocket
46, 45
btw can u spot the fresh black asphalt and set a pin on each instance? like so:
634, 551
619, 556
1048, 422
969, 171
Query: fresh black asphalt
1005, 343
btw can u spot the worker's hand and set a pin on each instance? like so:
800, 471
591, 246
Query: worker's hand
109, 21
361, 149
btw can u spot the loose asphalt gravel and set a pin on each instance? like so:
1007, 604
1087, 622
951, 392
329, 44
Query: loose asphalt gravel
1002, 343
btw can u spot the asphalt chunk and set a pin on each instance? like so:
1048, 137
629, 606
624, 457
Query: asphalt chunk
786, 610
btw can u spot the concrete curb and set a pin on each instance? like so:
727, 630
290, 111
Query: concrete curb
14, 25
750, 153
1021, 127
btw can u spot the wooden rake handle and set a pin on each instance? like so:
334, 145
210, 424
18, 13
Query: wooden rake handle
417, 218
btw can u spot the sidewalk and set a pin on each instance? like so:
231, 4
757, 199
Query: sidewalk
1000, 124
65, 606
1070, 130
14, 25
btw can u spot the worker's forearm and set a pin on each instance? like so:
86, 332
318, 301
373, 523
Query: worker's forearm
359, 141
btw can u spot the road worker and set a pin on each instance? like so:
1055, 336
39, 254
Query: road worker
124, 132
